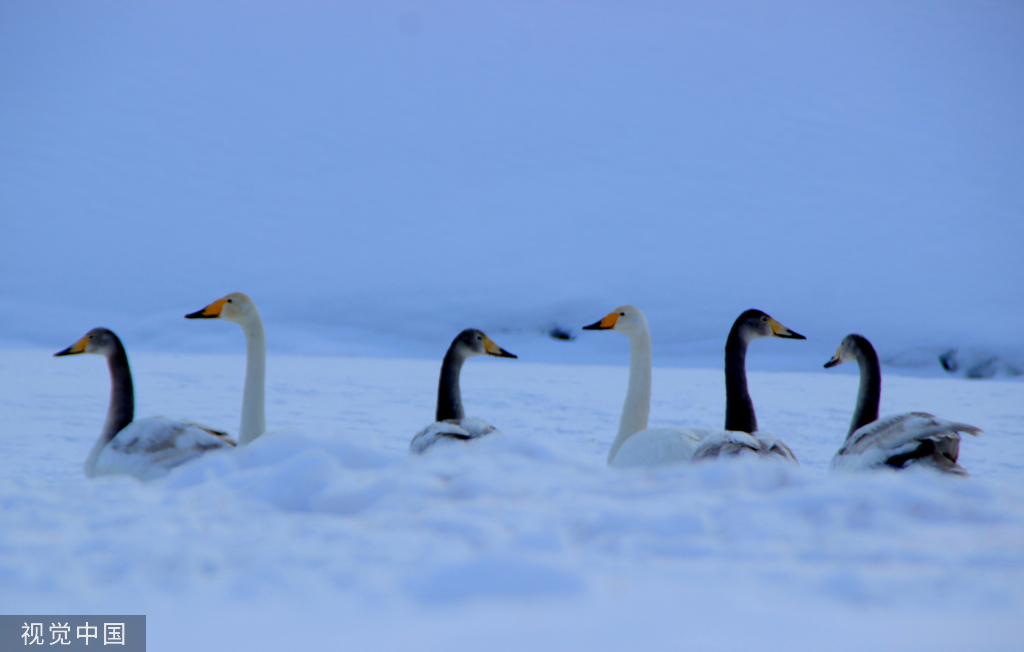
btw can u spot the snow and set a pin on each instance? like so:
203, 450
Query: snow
326, 531
381, 175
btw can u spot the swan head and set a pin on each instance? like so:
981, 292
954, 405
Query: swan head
625, 319
754, 324
236, 307
100, 341
849, 349
471, 342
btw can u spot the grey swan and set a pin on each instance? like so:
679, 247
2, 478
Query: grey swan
147, 448
450, 422
897, 441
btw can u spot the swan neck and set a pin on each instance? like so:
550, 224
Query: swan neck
122, 403
869, 394
739, 409
637, 407
449, 397
254, 421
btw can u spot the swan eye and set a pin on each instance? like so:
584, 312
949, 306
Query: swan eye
622, 314
230, 300
764, 319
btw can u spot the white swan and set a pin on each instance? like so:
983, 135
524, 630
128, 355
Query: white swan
240, 309
638, 445
897, 441
147, 448
450, 423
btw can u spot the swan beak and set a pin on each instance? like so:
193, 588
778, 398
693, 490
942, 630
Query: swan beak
778, 330
607, 322
211, 311
77, 347
836, 359
495, 350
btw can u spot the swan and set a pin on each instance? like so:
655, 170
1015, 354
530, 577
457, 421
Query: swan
240, 309
450, 422
897, 441
638, 445
147, 448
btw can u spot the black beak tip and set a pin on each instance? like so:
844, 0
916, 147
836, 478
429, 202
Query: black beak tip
596, 326
197, 315
511, 355
798, 336
831, 363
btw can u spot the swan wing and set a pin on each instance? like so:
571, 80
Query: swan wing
901, 440
149, 448
732, 443
771, 446
477, 427
450, 431
220, 434
725, 443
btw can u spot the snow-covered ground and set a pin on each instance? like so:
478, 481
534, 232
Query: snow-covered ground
379, 175
327, 533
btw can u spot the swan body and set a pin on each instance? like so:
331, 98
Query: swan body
654, 446
147, 448
666, 445
733, 443
451, 424
897, 441
637, 445
237, 307
449, 432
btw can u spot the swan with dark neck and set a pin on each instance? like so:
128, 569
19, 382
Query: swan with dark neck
637, 445
450, 422
122, 398
751, 325
147, 448
449, 395
869, 393
897, 441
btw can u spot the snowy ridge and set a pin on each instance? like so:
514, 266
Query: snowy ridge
329, 520
507, 504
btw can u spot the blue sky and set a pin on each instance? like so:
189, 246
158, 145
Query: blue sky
380, 175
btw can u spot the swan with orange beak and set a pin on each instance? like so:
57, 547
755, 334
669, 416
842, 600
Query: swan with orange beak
240, 309
637, 445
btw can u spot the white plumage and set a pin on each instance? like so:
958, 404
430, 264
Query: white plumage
149, 448
450, 432
637, 445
